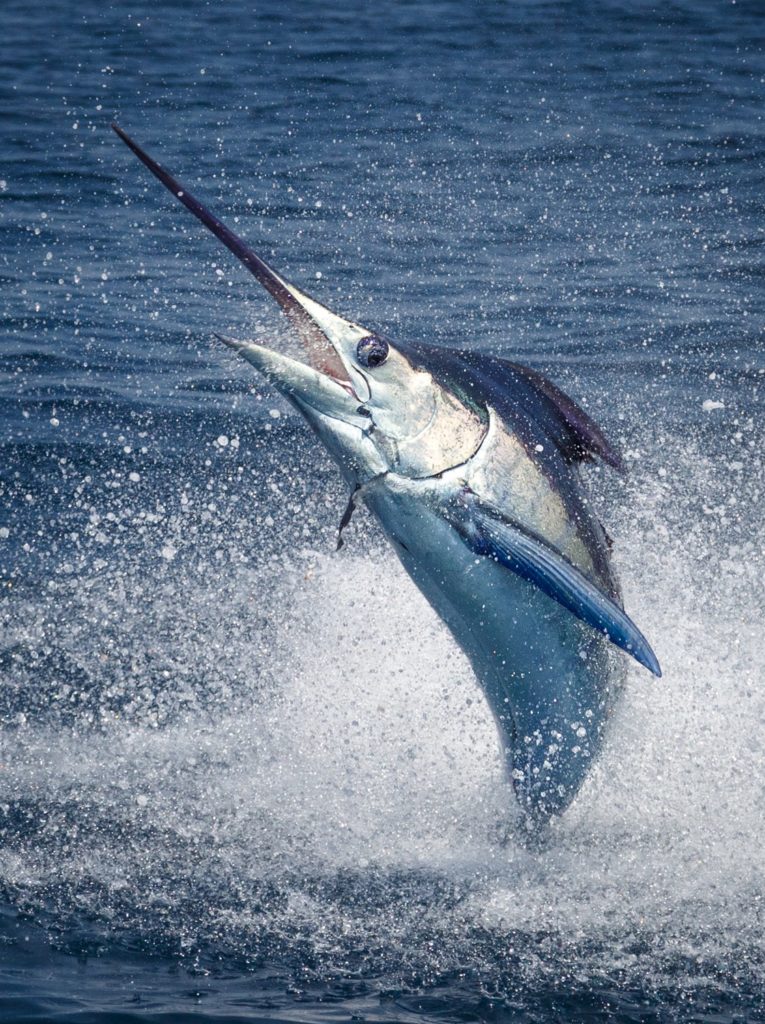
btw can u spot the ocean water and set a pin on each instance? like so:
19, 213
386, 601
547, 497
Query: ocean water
244, 777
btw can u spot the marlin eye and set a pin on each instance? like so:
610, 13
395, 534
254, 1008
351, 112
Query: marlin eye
372, 351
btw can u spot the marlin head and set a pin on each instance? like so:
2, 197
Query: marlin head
372, 406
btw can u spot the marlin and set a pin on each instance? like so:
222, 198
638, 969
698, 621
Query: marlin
471, 464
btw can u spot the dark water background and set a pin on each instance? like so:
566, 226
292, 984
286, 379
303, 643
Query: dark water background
242, 777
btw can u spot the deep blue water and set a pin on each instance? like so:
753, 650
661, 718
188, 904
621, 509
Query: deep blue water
243, 777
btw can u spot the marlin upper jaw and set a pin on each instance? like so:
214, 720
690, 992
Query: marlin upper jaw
321, 331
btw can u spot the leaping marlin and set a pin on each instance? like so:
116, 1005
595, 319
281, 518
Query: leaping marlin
470, 463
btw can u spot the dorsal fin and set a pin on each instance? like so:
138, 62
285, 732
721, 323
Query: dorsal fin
585, 438
523, 396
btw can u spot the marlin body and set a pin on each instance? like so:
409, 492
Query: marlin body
471, 465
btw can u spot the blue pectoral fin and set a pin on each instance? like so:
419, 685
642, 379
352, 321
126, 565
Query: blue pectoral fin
492, 534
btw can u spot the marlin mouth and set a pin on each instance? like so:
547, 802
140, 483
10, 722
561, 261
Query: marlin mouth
304, 313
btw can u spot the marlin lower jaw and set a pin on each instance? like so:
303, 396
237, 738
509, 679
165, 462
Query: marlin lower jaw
304, 384
330, 406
